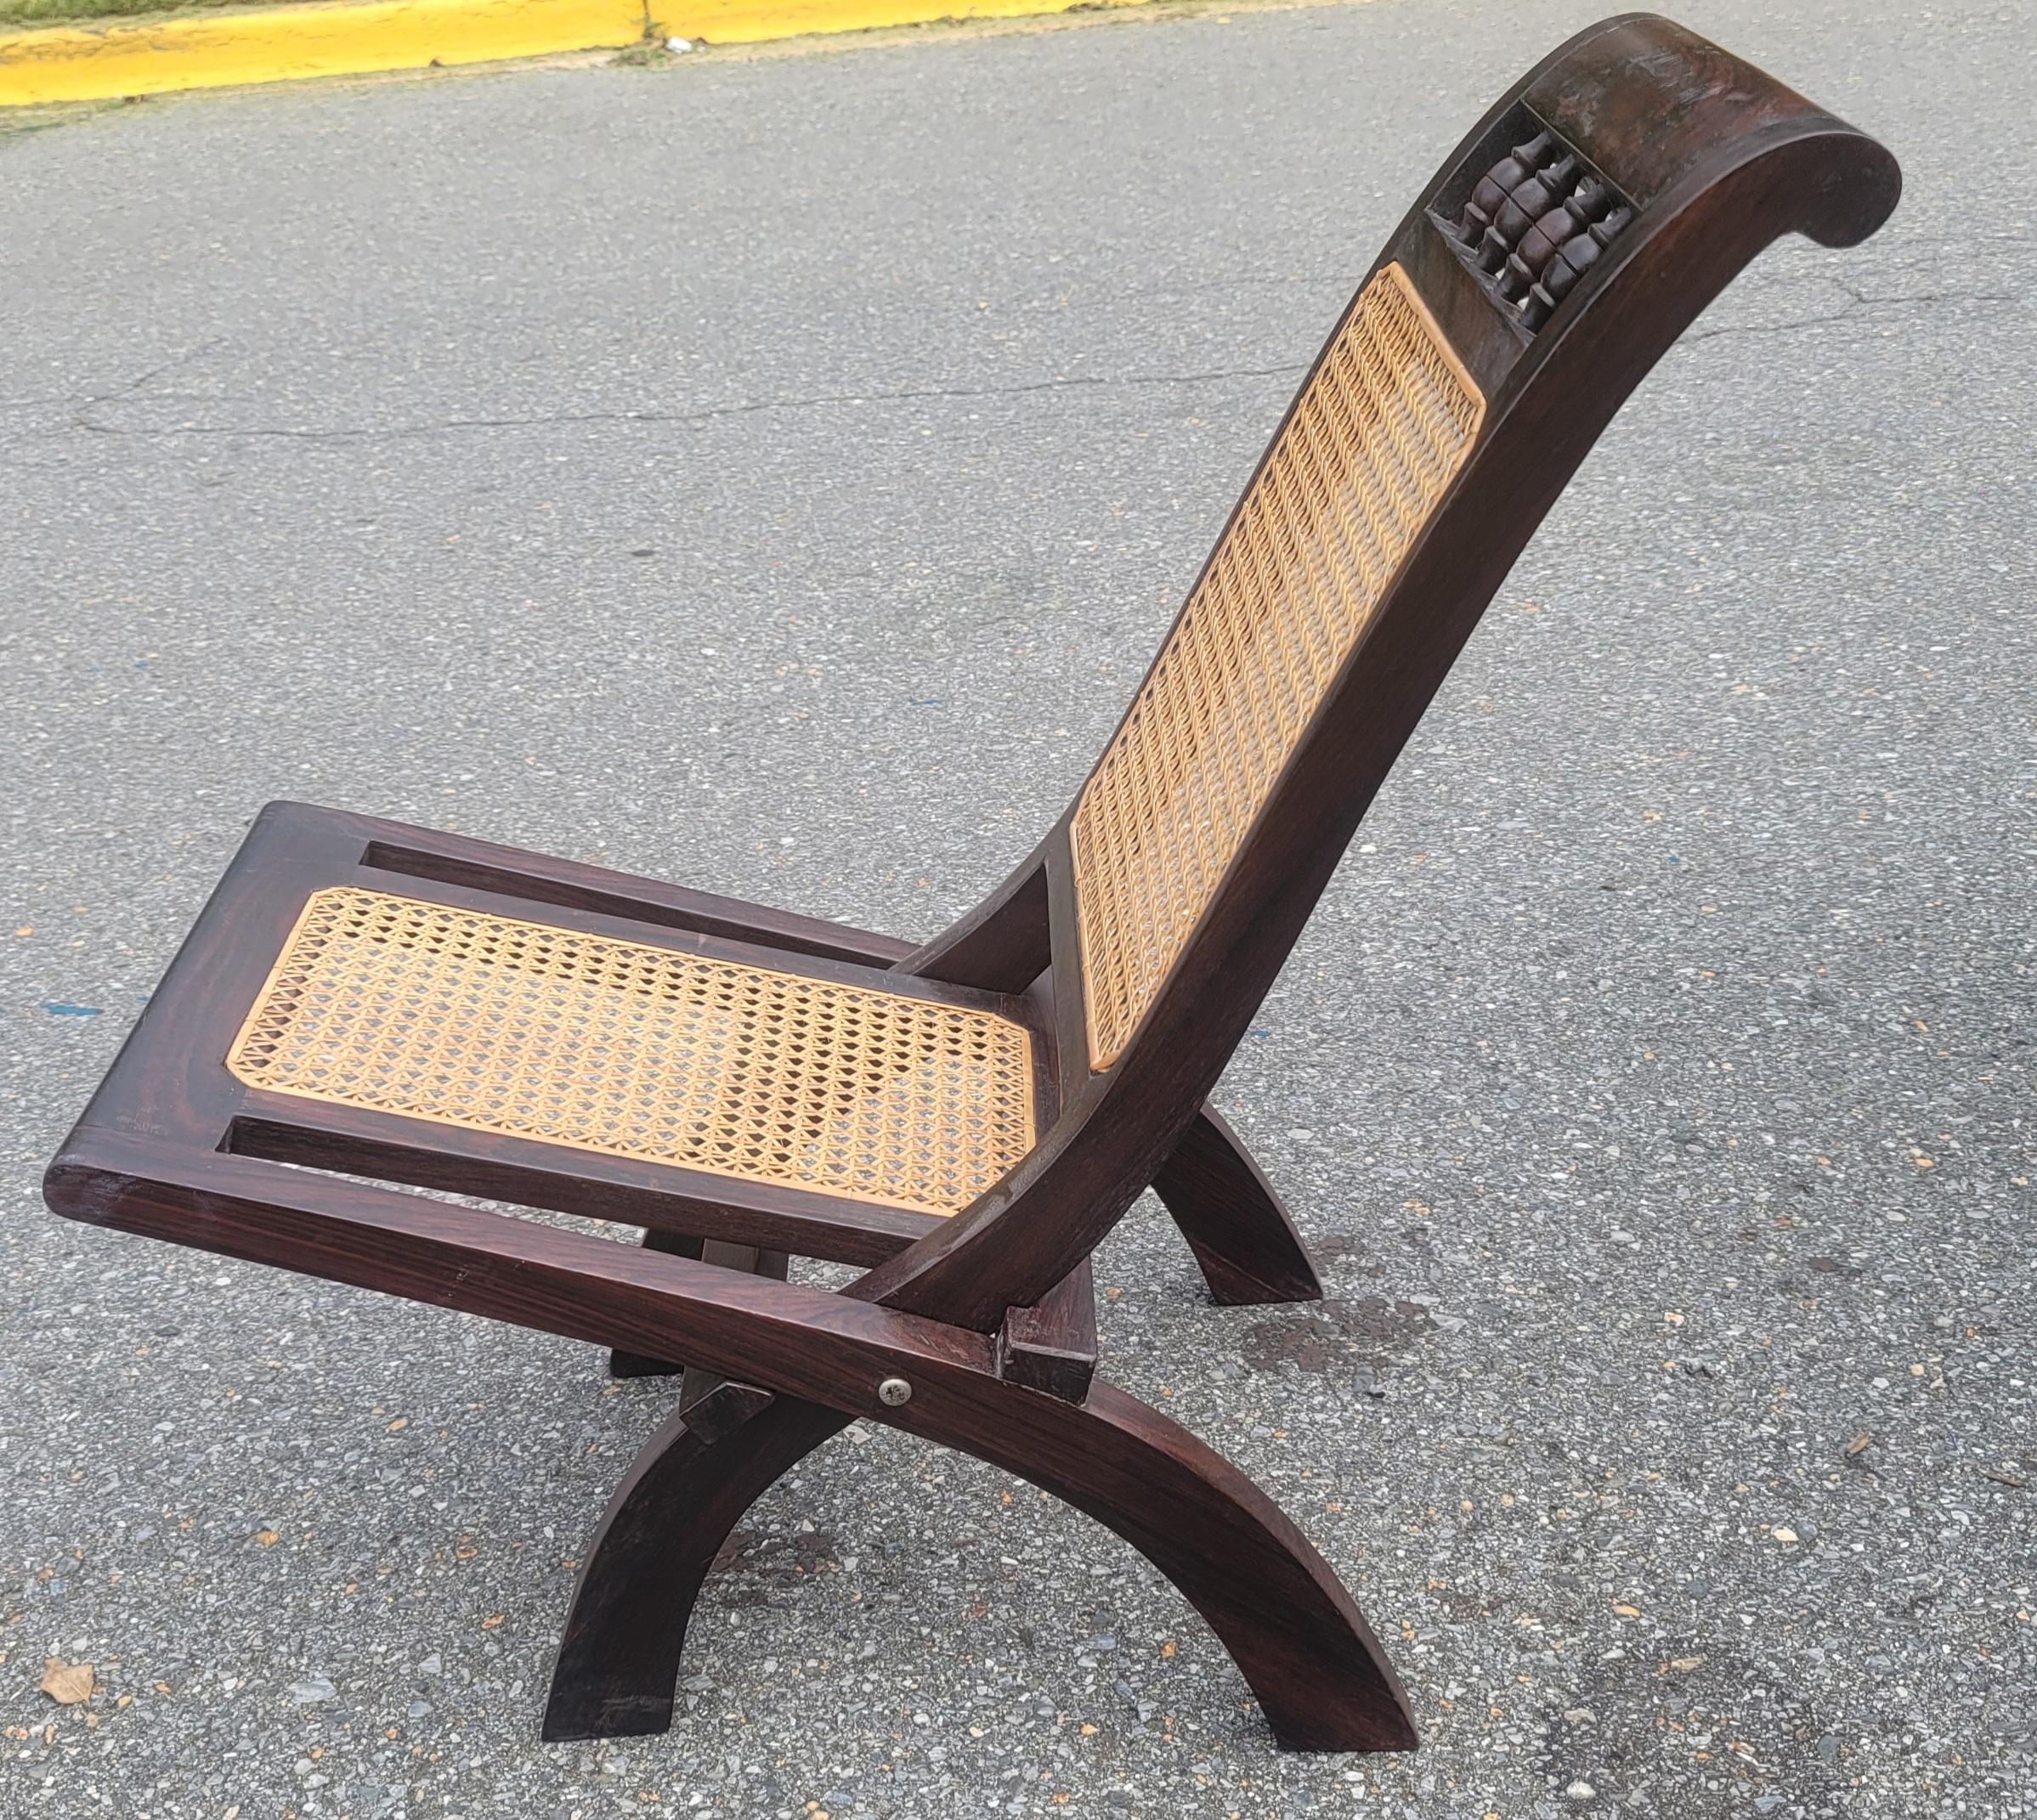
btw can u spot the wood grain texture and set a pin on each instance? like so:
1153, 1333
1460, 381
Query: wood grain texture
641, 1574
623, 1363
1236, 1224
1052, 1345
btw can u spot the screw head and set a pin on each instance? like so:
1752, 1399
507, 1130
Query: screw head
893, 1391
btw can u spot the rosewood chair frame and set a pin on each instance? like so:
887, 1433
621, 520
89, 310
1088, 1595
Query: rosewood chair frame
976, 1330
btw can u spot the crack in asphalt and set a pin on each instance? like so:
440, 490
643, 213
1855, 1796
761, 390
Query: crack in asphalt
709, 414
1859, 304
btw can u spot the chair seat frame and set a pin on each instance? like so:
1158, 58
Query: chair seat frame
978, 1330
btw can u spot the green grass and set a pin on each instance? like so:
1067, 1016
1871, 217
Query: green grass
24, 14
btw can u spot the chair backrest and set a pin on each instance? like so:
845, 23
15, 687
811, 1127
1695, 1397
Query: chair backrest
1562, 248
1373, 441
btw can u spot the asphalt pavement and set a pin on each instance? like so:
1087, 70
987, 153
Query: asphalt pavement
773, 473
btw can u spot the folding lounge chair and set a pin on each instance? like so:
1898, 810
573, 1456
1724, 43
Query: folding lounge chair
363, 1002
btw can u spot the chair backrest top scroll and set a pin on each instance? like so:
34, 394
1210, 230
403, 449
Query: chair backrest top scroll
1369, 447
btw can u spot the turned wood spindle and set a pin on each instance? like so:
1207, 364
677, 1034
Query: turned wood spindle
1493, 188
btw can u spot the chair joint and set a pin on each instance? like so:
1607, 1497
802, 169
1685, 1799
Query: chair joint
1051, 1346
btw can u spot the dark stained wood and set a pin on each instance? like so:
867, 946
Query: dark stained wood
722, 1409
524, 1172
1079, 1087
1531, 223
1002, 946
737, 1324
697, 1385
454, 859
1234, 1222
1558, 297
628, 1365
1663, 103
1301, 1645
1793, 169
641, 1575
1052, 1345
1287, 1623
167, 1081
624, 926
1484, 340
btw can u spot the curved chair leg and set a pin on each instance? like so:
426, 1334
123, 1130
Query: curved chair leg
1296, 1635
619, 1660
1291, 1627
1233, 1221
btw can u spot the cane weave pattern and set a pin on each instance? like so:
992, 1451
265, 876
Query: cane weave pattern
1371, 445
492, 1025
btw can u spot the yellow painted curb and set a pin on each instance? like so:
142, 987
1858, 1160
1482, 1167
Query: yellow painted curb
357, 37
75, 63
753, 22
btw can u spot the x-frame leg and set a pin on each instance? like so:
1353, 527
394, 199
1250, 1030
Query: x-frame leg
1294, 1632
823, 1358
1234, 1222
619, 1659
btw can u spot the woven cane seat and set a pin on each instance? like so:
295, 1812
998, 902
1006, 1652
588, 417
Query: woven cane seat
463, 1017
1373, 442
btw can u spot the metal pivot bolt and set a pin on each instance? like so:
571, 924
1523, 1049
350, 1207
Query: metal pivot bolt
893, 1391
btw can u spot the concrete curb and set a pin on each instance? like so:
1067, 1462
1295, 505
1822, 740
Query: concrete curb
356, 37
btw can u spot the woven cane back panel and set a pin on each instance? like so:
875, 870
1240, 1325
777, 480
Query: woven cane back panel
533, 1032
1369, 450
